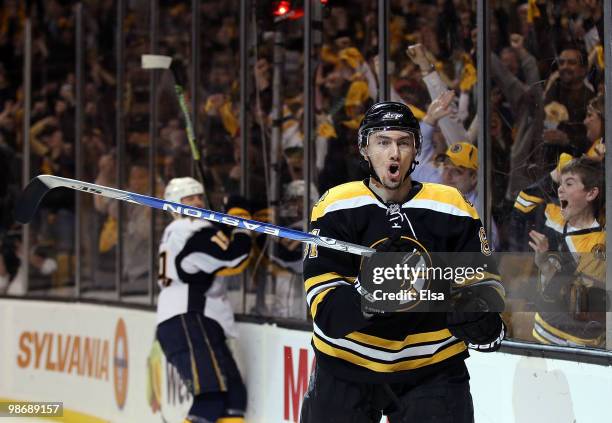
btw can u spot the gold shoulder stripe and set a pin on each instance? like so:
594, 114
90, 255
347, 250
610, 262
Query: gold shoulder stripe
348, 191
325, 277
554, 216
524, 209
389, 344
531, 198
447, 198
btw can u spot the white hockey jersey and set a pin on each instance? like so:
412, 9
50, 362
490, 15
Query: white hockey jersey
190, 254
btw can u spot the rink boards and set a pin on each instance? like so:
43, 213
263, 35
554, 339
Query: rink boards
98, 361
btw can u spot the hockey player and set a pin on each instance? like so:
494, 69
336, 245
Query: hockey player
194, 316
408, 366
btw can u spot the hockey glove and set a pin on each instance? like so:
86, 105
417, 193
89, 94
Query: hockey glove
471, 322
393, 244
369, 307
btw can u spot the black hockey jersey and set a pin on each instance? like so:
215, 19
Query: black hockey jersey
529, 211
404, 346
576, 291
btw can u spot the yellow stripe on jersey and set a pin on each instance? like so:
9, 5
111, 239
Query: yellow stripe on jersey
325, 277
541, 339
408, 364
531, 198
389, 344
240, 212
596, 148
526, 203
564, 335
554, 219
442, 198
524, 209
356, 191
486, 276
233, 271
315, 303
586, 242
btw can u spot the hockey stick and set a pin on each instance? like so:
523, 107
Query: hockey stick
30, 198
156, 61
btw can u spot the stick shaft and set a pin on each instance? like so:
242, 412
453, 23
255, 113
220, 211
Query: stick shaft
195, 152
180, 93
40, 185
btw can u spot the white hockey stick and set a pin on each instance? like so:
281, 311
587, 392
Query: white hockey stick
38, 187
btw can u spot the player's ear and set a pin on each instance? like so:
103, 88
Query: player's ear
364, 153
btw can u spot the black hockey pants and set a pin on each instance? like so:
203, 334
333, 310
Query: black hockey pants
443, 398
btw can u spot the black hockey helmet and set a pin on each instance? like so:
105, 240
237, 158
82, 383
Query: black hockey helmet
389, 115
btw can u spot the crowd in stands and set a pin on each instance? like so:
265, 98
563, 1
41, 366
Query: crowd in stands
547, 97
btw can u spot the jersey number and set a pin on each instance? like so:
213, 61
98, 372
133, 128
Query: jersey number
221, 240
161, 276
311, 249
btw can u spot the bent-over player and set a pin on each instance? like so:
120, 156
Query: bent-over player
194, 315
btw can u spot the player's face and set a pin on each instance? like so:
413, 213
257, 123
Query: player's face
391, 154
462, 178
193, 200
575, 200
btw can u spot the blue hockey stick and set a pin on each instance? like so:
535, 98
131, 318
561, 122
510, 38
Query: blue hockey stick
38, 187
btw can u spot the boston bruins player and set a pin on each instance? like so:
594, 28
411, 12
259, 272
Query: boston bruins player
409, 366
194, 316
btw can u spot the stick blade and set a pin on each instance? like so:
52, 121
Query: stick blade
155, 61
29, 199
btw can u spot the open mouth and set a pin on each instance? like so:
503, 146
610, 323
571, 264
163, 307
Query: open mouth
563, 204
394, 170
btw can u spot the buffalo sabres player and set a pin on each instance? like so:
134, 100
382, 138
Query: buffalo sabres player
408, 366
194, 316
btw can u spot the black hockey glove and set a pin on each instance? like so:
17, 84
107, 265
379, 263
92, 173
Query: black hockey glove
392, 244
369, 308
471, 322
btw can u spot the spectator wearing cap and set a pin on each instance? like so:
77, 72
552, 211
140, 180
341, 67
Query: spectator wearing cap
460, 170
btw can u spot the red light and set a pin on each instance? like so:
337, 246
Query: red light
324, 2
282, 8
